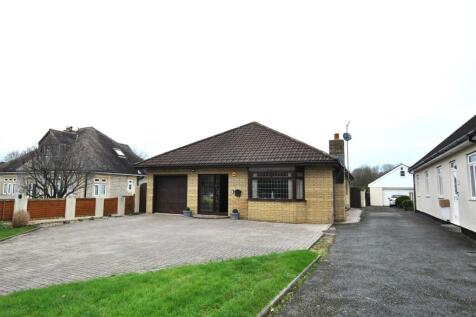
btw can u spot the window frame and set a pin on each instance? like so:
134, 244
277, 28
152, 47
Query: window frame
130, 183
472, 171
427, 183
402, 172
100, 183
439, 181
294, 177
9, 186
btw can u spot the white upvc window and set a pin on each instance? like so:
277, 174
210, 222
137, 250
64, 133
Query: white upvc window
9, 186
427, 184
100, 187
130, 185
439, 175
472, 174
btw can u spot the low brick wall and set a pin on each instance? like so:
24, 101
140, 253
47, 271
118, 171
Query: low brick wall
6, 209
46, 208
85, 207
110, 206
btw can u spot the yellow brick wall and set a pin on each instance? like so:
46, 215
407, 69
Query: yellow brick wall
318, 206
319, 195
277, 211
340, 202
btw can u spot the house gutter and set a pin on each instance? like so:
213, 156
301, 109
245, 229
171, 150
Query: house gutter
447, 150
472, 138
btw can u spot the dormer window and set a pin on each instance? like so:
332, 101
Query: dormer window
119, 152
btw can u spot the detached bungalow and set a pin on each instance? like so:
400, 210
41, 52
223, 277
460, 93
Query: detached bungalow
264, 174
445, 179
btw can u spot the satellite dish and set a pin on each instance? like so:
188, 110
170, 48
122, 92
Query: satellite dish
347, 136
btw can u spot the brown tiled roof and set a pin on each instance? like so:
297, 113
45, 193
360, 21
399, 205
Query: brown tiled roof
461, 135
250, 144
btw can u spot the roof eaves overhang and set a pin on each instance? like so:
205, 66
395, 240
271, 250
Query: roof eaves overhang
333, 163
237, 164
442, 154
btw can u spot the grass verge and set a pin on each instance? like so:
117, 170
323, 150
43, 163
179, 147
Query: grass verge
240, 287
10, 232
321, 247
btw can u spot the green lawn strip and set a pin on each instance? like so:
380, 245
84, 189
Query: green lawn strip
10, 232
240, 287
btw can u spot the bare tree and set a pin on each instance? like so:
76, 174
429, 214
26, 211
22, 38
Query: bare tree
140, 153
12, 155
54, 171
365, 174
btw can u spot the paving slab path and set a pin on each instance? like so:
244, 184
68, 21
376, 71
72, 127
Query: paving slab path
109, 246
393, 263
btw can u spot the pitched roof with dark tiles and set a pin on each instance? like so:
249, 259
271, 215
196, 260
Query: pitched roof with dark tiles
250, 144
97, 151
461, 135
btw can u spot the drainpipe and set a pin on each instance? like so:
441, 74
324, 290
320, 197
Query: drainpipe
85, 187
414, 194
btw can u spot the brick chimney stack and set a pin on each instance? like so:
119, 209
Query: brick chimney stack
336, 148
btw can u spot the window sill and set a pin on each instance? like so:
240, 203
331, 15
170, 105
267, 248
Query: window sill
277, 200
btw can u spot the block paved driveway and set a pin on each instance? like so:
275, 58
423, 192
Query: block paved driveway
104, 247
393, 263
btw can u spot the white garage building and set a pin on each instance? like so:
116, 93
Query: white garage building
395, 182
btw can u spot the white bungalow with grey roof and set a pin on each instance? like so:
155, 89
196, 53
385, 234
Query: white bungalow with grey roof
445, 179
110, 163
395, 182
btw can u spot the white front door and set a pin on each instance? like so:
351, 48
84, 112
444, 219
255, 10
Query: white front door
454, 193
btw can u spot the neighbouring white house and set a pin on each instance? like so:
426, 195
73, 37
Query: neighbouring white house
397, 181
445, 179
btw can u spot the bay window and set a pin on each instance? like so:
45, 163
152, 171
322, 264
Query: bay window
277, 183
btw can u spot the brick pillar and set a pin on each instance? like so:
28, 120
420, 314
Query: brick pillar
339, 207
70, 209
150, 193
121, 206
99, 211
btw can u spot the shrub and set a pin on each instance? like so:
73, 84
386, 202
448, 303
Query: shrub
20, 219
2, 226
407, 205
400, 200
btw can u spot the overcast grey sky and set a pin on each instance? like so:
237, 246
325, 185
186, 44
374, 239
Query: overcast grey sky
161, 74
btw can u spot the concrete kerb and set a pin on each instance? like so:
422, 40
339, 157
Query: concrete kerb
266, 310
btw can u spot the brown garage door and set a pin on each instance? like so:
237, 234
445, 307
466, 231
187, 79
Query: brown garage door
170, 193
